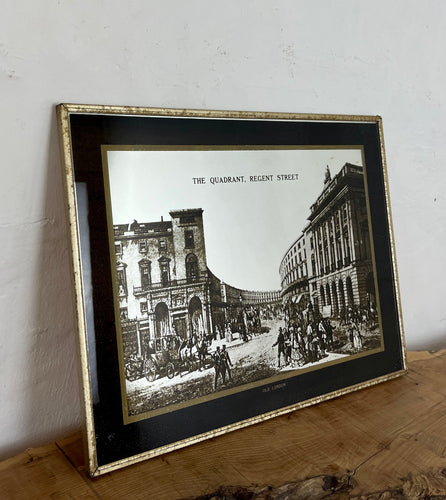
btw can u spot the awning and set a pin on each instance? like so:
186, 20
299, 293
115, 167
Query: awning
297, 299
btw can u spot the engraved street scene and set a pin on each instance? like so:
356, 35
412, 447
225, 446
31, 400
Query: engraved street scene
189, 332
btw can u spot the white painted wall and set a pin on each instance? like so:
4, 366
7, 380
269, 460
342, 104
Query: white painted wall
349, 56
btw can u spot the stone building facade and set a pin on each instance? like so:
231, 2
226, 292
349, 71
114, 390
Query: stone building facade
242, 297
337, 247
238, 301
164, 285
162, 278
293, 272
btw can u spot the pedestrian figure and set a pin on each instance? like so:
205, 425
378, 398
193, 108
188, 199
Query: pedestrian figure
315, 347
187, 351
287, 346
342, 316
300, 344
225, 364
357, 337
322, 337
182, 350
216, 358
350, 313
312, 341
228, 335
329, 331
280, 343
202, 351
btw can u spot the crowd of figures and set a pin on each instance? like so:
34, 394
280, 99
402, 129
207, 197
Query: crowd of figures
363, 315
229, 331
304, 344
308, 337
243, 322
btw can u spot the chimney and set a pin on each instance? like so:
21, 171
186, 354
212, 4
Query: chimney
162, 220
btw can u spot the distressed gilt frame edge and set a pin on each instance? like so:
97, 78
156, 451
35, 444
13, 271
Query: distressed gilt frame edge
392, 243
63, 111
77, 287
201, 113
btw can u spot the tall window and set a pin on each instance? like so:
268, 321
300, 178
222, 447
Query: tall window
325, 249
144, 270
143, 306
322, 293
346, 247
164, 271
332, 253
122, 279
365, 240
189, 239
338, 248
313, 265
191, 268
321, 260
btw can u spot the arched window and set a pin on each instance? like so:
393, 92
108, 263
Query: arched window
341, 294
350, 297
196, 316
335, 298
322, 293
346, 248
161, 319
328, 295
371, 292
191, 268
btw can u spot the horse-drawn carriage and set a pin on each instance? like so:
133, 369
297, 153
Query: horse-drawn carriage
169, 356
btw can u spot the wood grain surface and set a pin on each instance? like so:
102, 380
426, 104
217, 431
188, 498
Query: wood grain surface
386, 441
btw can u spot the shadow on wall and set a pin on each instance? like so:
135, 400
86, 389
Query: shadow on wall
50, 390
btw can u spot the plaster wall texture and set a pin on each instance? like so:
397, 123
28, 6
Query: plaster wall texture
290, 55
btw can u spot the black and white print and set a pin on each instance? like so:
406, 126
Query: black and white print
237, 267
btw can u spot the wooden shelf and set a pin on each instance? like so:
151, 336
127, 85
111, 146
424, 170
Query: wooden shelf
390, 437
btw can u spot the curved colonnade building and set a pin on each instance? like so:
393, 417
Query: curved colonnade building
330, 263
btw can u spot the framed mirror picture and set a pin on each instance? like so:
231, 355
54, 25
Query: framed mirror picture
228, 267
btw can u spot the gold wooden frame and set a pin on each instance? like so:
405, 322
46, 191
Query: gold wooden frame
64, 111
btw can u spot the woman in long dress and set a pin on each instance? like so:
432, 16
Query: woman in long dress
357, 337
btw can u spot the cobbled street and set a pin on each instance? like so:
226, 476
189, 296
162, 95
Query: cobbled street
253, 360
